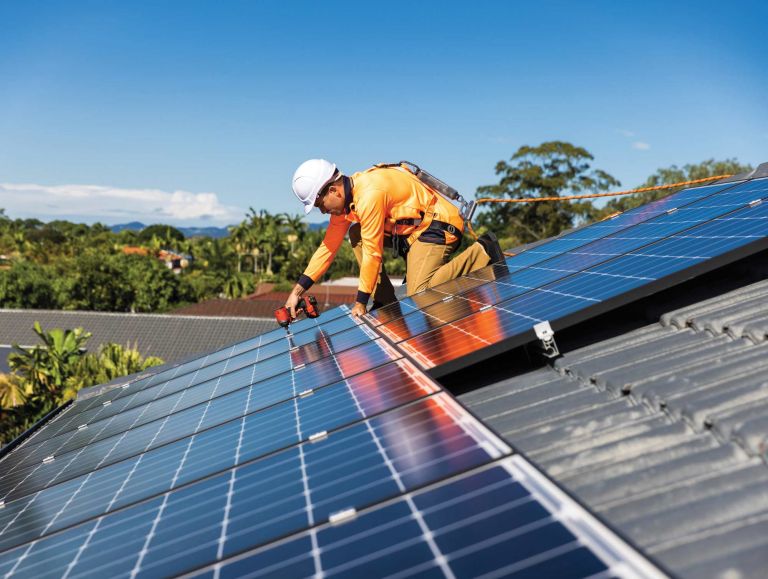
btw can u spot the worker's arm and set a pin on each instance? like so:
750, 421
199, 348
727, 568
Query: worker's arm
321, 260
371, 210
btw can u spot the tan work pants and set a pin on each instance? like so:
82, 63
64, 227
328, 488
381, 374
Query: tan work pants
428, 265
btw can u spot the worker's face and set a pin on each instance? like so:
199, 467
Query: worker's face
332, 201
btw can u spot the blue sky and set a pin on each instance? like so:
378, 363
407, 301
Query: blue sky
190, 112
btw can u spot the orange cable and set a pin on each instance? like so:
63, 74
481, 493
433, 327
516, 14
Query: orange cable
592, 195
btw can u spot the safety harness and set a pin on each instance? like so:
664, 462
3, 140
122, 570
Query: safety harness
427, 228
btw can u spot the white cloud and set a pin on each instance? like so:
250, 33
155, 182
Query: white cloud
113, 204
625, 133
640, 146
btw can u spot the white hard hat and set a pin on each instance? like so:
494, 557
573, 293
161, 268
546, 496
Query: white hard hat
310, 178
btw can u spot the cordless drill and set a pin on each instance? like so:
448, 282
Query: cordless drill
308, 304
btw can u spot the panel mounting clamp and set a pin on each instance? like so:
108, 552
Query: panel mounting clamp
546, 335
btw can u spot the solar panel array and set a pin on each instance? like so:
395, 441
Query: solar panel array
578, 275
327, 450
324, 443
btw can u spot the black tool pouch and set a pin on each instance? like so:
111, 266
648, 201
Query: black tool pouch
400, 246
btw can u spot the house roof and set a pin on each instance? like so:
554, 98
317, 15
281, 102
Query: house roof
168, 337
662, 431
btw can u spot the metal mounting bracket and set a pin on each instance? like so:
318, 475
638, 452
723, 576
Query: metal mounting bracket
546, 335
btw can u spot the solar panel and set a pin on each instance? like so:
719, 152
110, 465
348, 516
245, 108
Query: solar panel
244, 363
583, 283
313, 459
35, 466
559, 245
512, 284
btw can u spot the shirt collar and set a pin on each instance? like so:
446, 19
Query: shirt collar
349, 204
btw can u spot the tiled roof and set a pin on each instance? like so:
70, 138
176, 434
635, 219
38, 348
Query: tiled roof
169, 337
662, 431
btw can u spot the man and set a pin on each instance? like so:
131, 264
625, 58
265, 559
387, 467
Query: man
385, 206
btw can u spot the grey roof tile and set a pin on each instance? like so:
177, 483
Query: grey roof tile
652, 529
492, 394
631, 455
733, 565
742, 297
712, 552
654, 360
723, 481
752, 434
701, 407
561, 407
612, 414
660, 391
691, 462
580, 446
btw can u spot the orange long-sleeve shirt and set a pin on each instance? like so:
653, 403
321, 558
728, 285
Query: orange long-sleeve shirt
380, 197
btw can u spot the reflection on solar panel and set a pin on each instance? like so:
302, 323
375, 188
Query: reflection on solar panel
322, 451
593, 278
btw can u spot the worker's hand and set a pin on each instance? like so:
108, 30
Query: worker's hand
358, 309
291, 303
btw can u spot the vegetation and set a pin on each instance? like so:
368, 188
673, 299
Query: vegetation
558, 169
551, 169
47, 375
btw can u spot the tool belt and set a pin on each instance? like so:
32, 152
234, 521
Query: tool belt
434, 233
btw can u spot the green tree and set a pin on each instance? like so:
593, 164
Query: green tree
28, 285
167, 234
238, 285
551, 169
51, 367
97, 282
113, 361
154, 288
673, 174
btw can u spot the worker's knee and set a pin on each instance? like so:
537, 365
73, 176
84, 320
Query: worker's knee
355, 237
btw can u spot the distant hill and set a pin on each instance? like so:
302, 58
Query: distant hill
216, 232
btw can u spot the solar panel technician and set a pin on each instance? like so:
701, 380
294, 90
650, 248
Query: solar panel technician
385, 207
